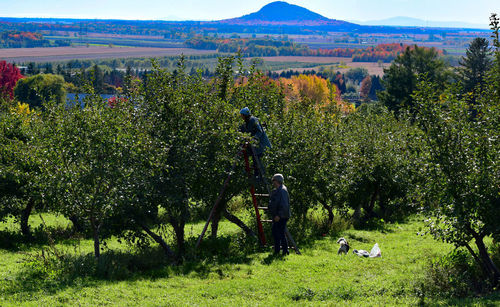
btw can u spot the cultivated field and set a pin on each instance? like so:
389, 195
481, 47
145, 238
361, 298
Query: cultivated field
92, 52
338, 63
109, 35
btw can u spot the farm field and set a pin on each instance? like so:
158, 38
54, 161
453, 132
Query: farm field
92, 52
69, 34
338, 63
231, 276
121, 41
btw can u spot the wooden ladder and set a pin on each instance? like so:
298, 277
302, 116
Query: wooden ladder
262, 180
267, 184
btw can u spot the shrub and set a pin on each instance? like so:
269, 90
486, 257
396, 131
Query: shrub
453, 275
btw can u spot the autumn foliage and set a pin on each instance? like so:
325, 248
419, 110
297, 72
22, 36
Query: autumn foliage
116, 101
270, 47
366, 85
22, 39
314, 90
381, 52
9, 74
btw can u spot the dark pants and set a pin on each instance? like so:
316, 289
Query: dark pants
256, 165
278, 230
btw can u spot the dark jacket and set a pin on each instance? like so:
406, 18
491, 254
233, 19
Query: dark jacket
255, 129
279, 203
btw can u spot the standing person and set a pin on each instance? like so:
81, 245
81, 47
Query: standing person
279, 210
255, 129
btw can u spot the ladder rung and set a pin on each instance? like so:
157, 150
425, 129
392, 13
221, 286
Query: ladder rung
262, 195
263, 208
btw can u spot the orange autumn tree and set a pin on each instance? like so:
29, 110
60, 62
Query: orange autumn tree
366, 86
314, 91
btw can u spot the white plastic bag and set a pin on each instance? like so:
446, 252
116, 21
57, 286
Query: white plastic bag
375, 252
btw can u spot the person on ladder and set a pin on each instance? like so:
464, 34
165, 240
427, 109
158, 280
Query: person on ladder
279, 211
255, 129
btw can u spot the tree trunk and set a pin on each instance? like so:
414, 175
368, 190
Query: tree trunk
493, 272
95, 235
237, 221
77, 226
357, 213
168, 251
216, 218
178, 226
25, 215
330, 213
371, 206
477, 259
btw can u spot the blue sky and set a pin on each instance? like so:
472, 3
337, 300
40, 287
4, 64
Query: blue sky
476, 11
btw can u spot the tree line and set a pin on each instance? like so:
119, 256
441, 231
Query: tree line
275, 47
23, 39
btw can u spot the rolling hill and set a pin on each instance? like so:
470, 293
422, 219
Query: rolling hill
282, 13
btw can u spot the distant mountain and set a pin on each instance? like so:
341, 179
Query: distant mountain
282, 13
415, 22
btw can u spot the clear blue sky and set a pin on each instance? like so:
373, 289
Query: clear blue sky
475, 11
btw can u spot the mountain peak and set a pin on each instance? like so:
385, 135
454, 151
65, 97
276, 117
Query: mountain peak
283, 13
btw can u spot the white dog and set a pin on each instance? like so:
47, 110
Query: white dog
344, 246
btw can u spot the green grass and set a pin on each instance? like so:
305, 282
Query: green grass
117, 41
227, 276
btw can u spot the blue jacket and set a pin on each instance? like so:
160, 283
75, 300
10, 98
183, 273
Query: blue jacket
255, 129
279, 203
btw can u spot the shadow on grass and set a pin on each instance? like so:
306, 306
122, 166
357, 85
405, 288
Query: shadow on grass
376, 225
490, 300
50, 270
14, 241
272, 258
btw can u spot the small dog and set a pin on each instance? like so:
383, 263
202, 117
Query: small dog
344, 246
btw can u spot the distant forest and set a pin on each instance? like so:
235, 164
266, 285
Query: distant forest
22, 39
271, 47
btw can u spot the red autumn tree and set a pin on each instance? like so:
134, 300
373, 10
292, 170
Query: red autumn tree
366, 86
9, 74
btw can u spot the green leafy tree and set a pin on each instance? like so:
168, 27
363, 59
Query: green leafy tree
375, 164
18, 168
356, 74
462, 194
194, 139
475, 66
97, 78
91, 161
39, 89
400, 79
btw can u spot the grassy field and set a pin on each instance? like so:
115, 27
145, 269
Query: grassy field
231, 274
93, 52
340, 64
124, 40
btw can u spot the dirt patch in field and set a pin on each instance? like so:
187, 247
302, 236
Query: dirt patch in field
373, 68
20, 55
